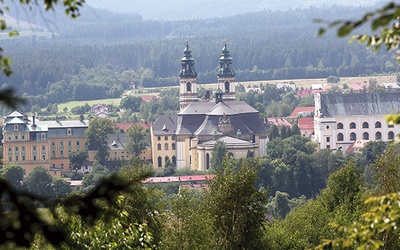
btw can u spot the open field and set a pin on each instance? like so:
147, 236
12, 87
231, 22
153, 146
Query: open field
69, 105
306, 83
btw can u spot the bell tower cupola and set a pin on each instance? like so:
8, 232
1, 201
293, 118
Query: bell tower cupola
187, 79
226, 75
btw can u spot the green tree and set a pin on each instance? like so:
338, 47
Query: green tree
76, 159
218, 155
137, 143
61, 187
273, 132
295, 129
39, 182
189, 223
237, 208
13, 174
97, 137
131, 102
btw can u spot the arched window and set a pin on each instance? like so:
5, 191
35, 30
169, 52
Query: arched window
173, 146
365, 125
378, 136
390, 125
174, 159
188, 87
365, 136
166, 159
353, 136
159, 162
340, 125
352, 125
207, 161
227, 87
378, 125
340, 137
159, 146
391, 135
166, 146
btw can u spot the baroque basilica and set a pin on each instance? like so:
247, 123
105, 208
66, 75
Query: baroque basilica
187, 139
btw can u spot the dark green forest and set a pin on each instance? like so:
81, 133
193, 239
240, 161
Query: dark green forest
84, 59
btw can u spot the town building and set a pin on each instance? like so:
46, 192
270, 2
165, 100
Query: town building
342, 119
187, 139
29, 142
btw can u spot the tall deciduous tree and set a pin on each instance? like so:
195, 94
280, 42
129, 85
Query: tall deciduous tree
76, 159
218, 155
97, 137
39, 182
237, 208
137, 143
13, 174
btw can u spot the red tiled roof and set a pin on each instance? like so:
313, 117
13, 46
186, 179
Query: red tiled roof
306, 123
187, 178
358, 86
125, 126
278, 121
307, 92
307, 109
148, 98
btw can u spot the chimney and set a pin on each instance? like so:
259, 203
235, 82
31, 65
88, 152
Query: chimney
33, 122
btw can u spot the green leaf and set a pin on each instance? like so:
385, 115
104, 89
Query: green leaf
345, 29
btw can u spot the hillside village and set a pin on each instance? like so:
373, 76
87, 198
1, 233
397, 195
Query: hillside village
338, 122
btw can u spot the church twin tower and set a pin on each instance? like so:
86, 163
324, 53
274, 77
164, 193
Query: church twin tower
188, 75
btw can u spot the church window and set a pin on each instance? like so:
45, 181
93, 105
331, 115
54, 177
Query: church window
207, 161
227, 87
340, 125
159, 146
391, 135
158, 138
166, 159
353, 136
166, 146
159, 162
365, 136
378, 136
340, 137
378, 125
174, 159
188, 87
352, 125
365, 125
173, 146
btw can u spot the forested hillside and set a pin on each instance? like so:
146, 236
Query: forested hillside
264, 45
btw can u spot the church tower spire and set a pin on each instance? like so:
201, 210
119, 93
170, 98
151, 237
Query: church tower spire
187, 79
226, 75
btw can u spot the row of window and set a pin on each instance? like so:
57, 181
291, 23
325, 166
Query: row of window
166, 146
61, 166
16, 137
165, 138
62, 143
24, 158
353, 125
23, 149
159, 160
365, 136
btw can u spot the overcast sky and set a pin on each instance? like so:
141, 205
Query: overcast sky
164, 9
